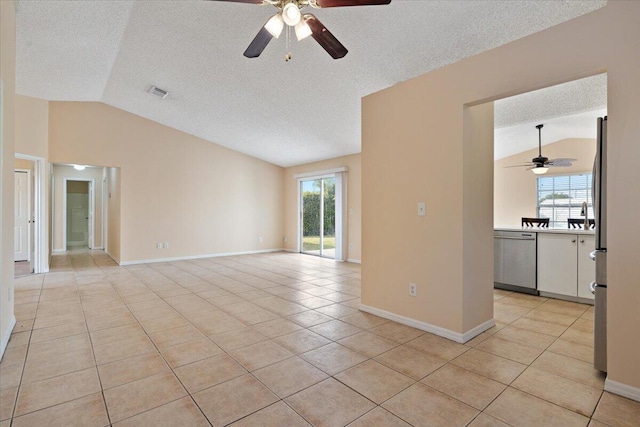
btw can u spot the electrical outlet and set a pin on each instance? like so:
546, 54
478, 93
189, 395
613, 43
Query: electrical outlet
9, 294
286, 239
260, 239
165, 245
350, 245
158, 245
413, 289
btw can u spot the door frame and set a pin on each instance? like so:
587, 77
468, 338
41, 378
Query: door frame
40, 256
29, 209
92, 209
340, 175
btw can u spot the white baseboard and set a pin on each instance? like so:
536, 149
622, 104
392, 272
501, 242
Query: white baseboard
6, 336
472, 333
353, 260
427, 327
186, 258
623, 390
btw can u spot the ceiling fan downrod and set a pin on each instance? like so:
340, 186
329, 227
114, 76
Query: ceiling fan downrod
539, 127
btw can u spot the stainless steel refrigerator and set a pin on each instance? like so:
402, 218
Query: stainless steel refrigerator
599, 286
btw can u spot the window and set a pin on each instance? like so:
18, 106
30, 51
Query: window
561, 197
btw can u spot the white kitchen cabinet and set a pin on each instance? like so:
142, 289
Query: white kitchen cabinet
557, 263
586, 266
564, 267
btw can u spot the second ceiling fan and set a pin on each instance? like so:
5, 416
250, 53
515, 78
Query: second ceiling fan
305, 25
540, 165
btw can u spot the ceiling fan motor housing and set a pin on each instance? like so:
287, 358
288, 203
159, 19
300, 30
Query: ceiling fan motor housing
540, 159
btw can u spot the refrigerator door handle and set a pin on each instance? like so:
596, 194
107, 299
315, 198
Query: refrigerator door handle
594, 285
593, 254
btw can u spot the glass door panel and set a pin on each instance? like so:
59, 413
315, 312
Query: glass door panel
318, 217
311, 193
328, 248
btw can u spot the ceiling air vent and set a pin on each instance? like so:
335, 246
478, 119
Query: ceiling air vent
162, 94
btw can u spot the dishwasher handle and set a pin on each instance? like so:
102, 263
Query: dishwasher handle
514, 238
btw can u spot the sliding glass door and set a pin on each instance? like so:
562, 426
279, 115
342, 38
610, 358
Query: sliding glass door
318, 216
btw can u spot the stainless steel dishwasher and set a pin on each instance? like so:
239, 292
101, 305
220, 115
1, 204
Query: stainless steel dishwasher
515, 263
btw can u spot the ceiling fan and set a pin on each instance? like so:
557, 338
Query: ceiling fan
540, 165
305, 25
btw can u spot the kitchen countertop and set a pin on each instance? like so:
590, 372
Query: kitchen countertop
546, 230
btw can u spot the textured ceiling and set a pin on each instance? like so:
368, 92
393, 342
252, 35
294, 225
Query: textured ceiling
286, 113
568, 110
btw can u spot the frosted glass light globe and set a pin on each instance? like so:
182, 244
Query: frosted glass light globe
291, 14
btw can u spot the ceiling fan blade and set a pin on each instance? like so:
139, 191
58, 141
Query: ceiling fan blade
243, 1
324, 37
558, 165
520, 166
260, 41
562, 160
342, 3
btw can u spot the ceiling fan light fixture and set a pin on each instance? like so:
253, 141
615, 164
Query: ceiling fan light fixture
540, 170
303, 30
291, 14
274, 25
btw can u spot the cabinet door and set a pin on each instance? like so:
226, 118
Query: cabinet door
557, 263
586, 267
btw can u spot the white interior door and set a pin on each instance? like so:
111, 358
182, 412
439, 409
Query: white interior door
21, 227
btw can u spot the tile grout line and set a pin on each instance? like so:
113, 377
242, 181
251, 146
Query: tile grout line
104, 399
19, 387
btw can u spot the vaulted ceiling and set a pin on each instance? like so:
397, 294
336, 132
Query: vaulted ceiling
286, 113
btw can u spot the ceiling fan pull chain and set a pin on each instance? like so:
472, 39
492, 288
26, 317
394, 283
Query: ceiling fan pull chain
288, 56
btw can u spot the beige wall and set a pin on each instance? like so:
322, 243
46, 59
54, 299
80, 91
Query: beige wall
7, 138
409, 126
32, 126
112, 246
60, 172
515, 189
354, 189
199, 197
477, 211
23, 164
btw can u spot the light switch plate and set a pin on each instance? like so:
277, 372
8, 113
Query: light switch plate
422, 209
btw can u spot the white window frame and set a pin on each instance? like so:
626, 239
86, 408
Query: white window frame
560, 224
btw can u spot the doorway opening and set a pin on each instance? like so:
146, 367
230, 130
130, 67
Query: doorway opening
542, 275
23, 220
78, 215
30, 236
79, 207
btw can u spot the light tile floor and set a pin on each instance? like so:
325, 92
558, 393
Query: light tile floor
277, 340
21, 268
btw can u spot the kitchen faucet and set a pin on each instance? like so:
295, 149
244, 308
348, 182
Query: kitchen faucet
584, 213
